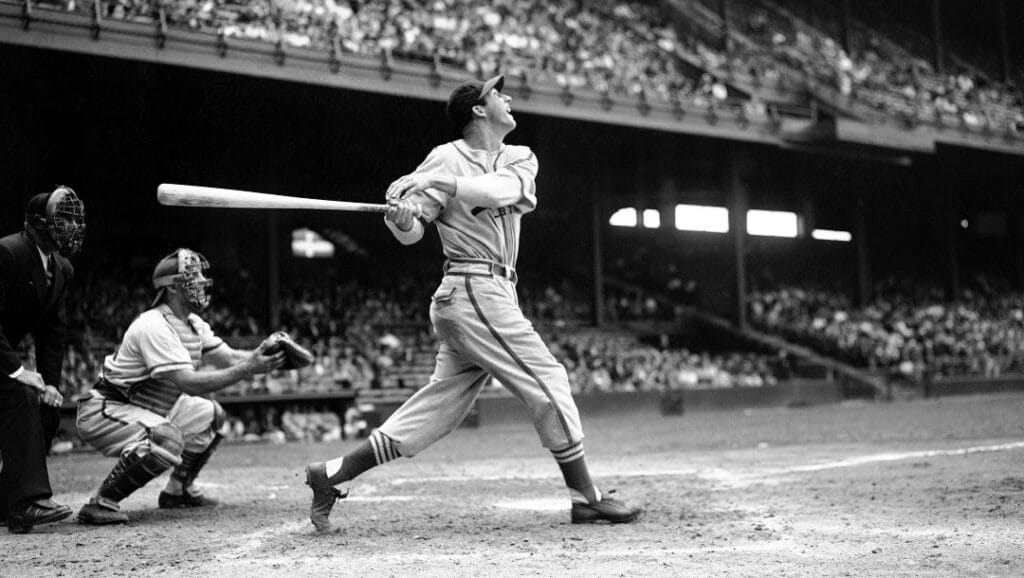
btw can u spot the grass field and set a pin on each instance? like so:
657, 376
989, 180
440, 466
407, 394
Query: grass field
921, 488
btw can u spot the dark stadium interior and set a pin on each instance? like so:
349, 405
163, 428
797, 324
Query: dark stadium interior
115, 129
940, 218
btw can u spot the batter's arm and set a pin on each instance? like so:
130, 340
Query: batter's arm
411, 207
396, 215
511, 184
506, 186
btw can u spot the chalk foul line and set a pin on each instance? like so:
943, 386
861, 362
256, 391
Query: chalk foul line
895, 457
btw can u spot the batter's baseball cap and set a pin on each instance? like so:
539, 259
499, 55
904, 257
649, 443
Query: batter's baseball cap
466, 96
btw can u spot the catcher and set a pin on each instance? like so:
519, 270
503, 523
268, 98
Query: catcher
146, 407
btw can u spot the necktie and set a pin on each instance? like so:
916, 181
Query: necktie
50, 264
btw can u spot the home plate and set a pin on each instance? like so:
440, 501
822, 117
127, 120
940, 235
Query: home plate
540, 504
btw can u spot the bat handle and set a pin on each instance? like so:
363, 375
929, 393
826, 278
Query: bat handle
417, 209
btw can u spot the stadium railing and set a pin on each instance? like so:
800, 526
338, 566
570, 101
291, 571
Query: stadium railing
742, 120
729, 118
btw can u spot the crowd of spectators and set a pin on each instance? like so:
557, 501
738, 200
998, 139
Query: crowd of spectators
374, 334
609, 362
619, 47
294, 423
769, 42
913, 335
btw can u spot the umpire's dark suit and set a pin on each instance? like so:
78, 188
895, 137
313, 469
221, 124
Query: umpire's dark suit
29, 304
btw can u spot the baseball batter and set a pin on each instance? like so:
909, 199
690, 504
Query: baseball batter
476, 191
146, 410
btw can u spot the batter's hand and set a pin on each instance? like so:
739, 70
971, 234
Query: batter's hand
402, 213
409, 184
51, 396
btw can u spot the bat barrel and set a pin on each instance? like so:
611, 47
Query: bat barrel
195, 196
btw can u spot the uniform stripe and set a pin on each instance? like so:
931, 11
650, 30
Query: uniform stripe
504, 218
206, 350
506, 223
568, 449
520, 161
568, 454
103, 412
376, 450
570, 458
390, 445
514, 249
383, 448
501, 341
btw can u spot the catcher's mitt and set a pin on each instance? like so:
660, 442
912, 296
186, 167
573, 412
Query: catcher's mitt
295, 355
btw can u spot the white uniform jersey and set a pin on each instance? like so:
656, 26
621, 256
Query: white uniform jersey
469, 232
155, 343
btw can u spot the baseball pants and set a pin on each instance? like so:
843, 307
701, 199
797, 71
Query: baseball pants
114, 428
483, 333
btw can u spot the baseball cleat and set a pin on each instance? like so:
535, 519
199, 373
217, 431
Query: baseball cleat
607, 510
324, 496
185, 500
95, 514
34, 514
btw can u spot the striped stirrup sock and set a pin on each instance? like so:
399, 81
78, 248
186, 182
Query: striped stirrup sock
376, 450
384, 449
568, 454
577, 476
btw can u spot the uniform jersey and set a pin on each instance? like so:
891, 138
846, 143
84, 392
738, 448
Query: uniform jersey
481, 330
155, 343
469, 232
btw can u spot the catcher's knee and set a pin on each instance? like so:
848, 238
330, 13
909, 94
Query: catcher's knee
166, 443
219, 417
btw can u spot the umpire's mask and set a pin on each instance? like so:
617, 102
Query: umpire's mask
60, 215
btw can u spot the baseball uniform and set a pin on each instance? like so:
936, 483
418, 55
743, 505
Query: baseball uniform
476, 195
128, 400
475, 310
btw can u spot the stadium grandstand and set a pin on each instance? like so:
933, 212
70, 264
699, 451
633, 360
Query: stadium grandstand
810, 199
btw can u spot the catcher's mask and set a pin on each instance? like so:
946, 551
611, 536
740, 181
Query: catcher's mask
183, 270
61, 216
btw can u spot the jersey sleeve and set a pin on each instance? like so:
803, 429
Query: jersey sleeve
159, 346
209, 339
432, 201
510, 185
525, 167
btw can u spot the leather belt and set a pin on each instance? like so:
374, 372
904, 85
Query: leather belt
479, 268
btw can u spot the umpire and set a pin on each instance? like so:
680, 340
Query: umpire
34, 278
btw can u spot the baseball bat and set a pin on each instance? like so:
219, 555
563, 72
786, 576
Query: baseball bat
193, 196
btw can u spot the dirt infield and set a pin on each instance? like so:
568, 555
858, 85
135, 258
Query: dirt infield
905, 489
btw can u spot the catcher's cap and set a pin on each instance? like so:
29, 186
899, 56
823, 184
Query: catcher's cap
466, 96
167, 267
